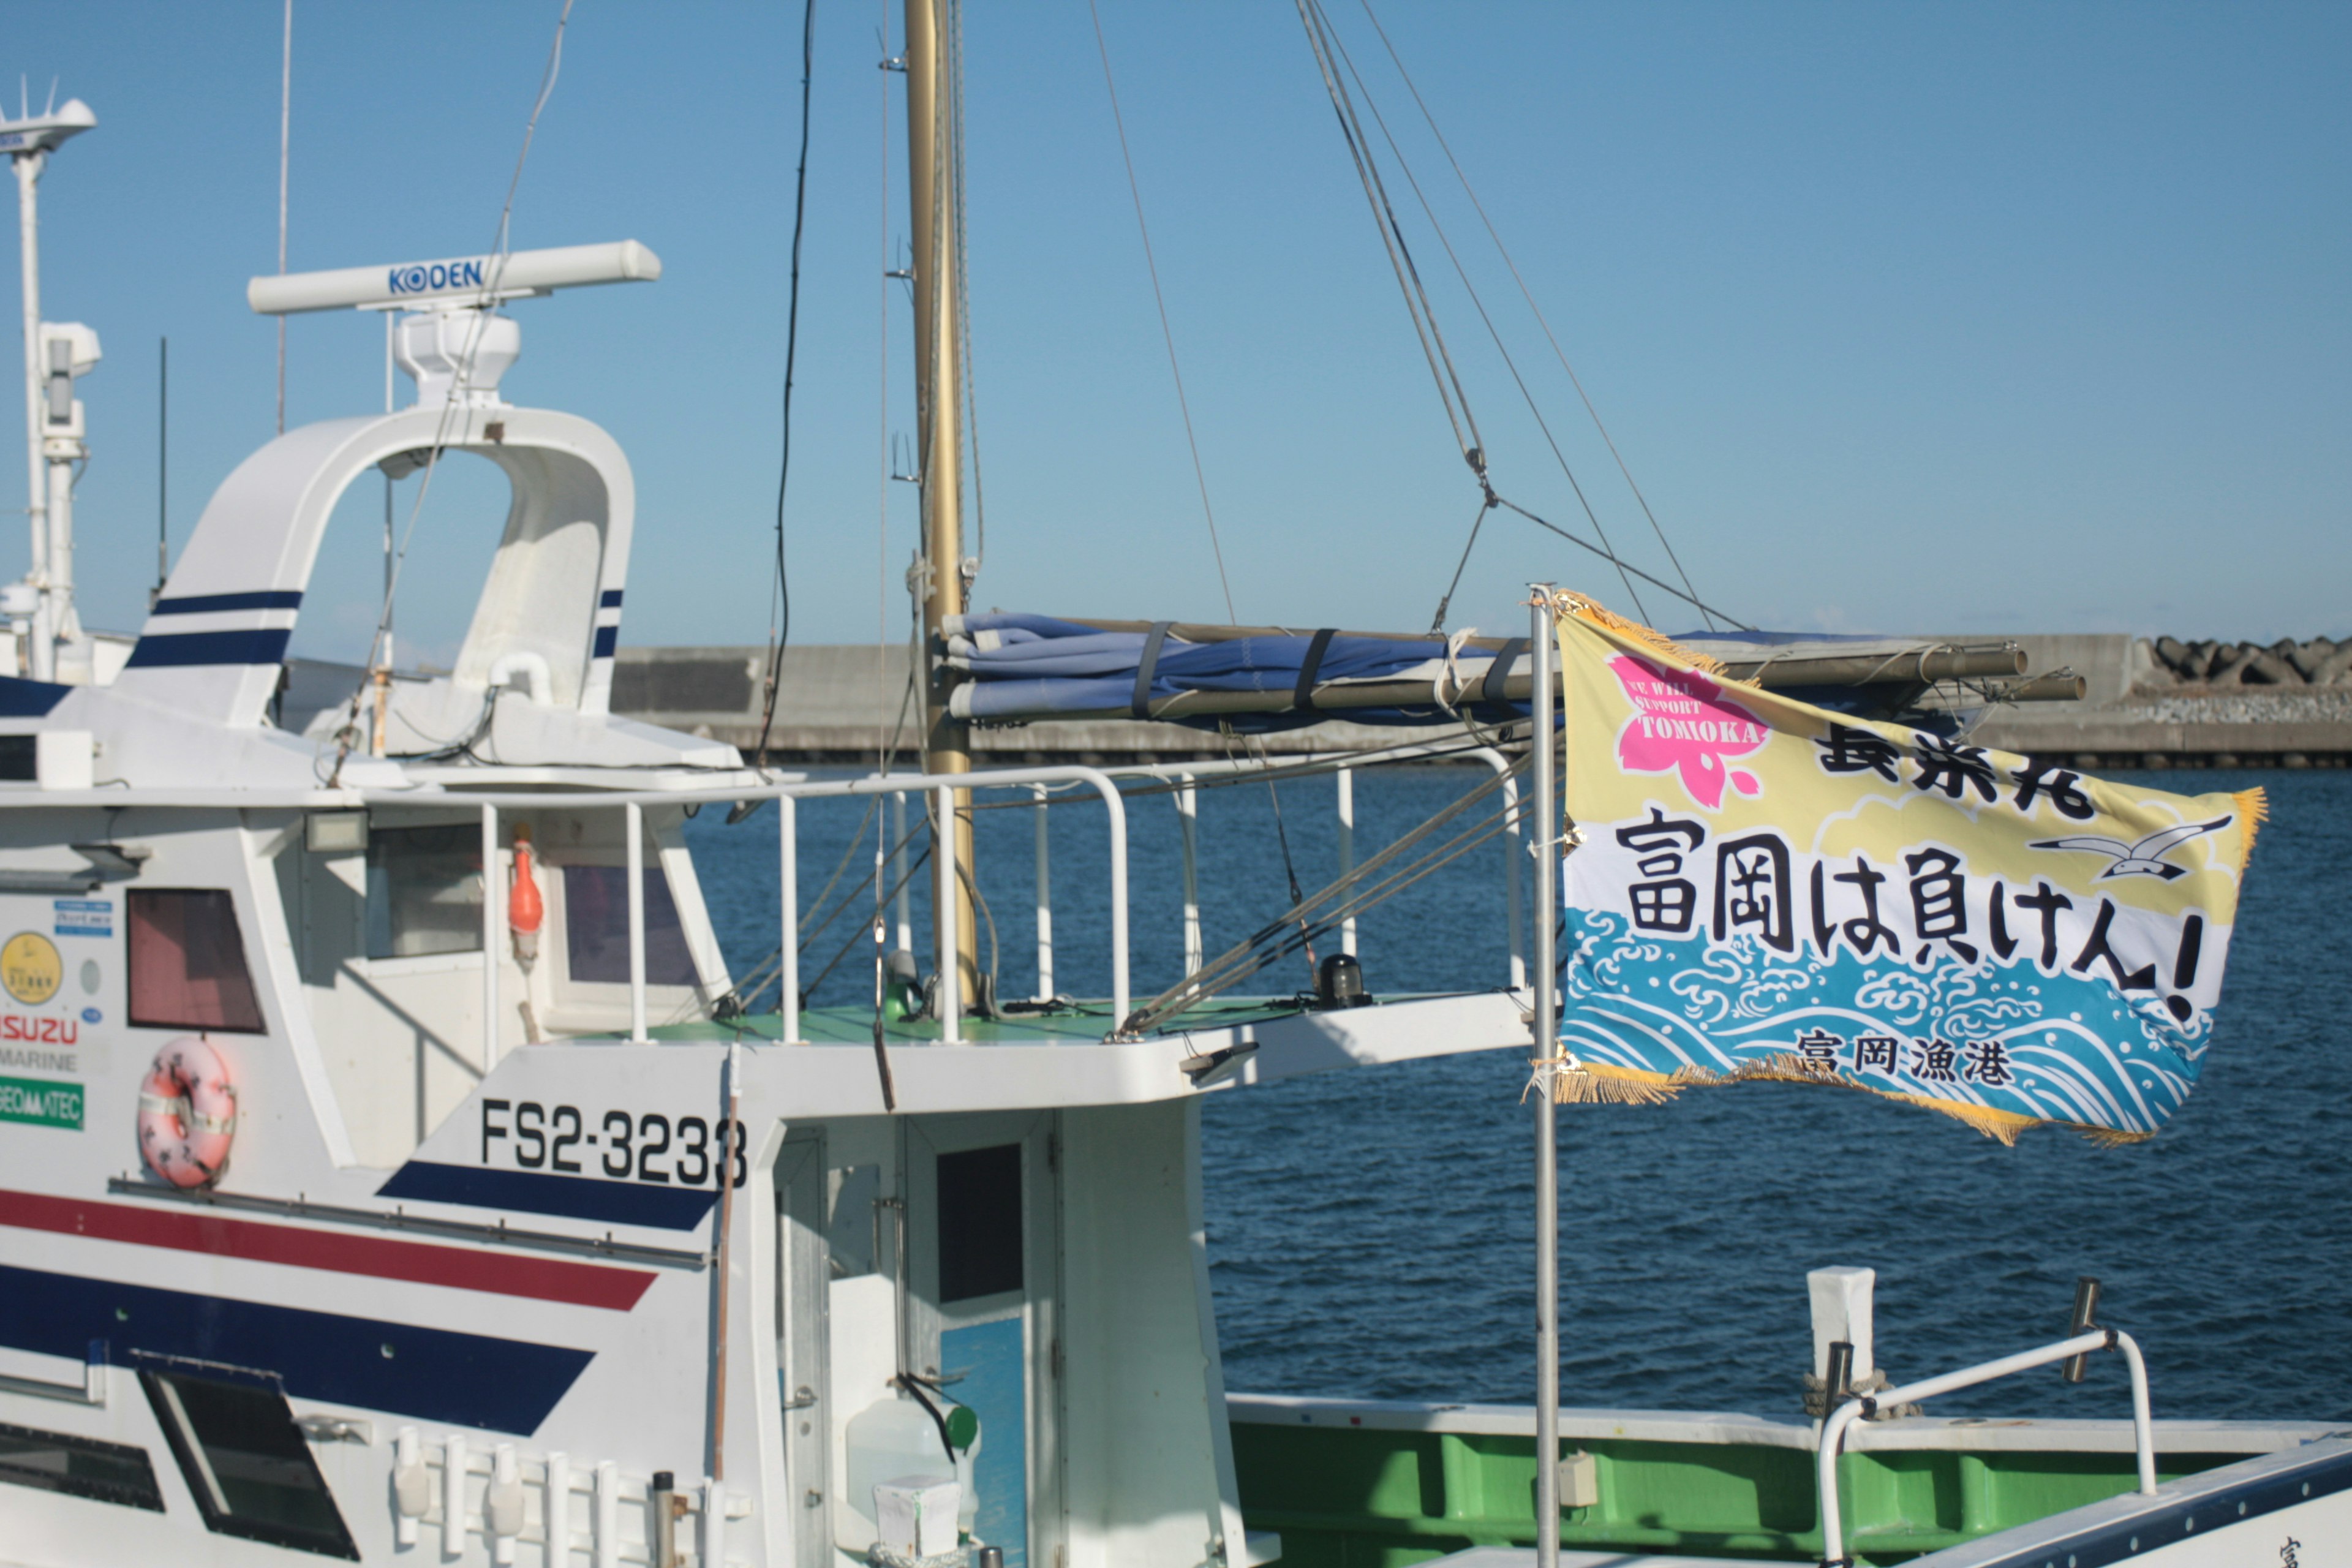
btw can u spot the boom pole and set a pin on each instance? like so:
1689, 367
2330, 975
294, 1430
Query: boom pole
934, 125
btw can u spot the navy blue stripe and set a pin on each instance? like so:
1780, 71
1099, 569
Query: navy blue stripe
205, 604
612, 599
265, 647
28, 699
431, 1374
607, 639
2206, 1513
535, 1192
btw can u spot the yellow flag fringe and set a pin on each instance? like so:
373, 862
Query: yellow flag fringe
1575, 1081
1589, 611
2253, 810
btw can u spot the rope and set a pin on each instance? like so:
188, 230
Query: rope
1694, 601
1486, 503
1281, 838
499, 248
1479, 305
779, 605
1691, 592
1416, 298
1167, 334
1342, 900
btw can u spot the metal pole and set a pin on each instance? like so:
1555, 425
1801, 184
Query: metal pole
933, 128
1347, 780
390, 328
285, 145
1546, 1033
899, 871
1045, 901
163, 466
721, 1280
1188, 817
634, 815
944, 912
788, 900
1516, 915
28, 217
491, 889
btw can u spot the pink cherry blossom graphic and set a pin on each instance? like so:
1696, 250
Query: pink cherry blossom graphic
1682, 722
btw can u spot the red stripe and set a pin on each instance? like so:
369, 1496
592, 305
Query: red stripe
541, 1278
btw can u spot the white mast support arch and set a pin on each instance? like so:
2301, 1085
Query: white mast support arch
214, 642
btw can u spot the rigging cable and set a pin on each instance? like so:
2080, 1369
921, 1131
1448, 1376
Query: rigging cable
1385, 218
458, 383
1338, 51
1167, 334
1691, 592
285, 147
780, 604
1509, 362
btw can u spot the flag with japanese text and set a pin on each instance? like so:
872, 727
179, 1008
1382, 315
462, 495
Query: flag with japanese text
1759, 888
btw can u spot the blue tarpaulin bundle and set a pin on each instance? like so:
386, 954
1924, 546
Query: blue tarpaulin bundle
1025, 666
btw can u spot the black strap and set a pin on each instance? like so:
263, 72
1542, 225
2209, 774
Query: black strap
1141, 706
1303, 695
1491, 690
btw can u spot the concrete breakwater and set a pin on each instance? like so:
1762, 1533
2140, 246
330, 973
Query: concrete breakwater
2322, 661
2157, 702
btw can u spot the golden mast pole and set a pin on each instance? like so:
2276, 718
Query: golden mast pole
933, 126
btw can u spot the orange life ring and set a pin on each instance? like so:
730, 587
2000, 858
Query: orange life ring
187, 1113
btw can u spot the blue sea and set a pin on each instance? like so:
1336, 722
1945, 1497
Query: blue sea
1371, 1232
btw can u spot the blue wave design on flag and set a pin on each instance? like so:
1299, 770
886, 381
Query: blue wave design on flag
2074, 1049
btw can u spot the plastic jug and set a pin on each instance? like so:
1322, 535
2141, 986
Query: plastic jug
891, 1439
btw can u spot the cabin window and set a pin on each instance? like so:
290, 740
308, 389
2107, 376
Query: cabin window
247, 1462
851, 1194
187, 962
979, 1222
425, 891
20, 761
596, 928
78, 1467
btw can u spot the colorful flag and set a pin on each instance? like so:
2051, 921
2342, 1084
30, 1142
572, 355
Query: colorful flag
1764, 890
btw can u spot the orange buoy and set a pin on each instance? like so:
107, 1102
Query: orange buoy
187, 1113
525, 909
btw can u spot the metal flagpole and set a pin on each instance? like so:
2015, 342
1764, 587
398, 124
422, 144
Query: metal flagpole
1546, 1035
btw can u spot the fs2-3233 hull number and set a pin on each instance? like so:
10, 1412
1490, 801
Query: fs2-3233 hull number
644, 1147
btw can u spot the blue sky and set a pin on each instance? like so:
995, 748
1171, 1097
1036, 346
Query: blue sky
1963, 319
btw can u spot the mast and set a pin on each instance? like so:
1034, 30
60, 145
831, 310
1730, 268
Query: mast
934, 127
41, 648
55, 355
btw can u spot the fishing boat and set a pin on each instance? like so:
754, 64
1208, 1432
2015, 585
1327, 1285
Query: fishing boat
393, 1170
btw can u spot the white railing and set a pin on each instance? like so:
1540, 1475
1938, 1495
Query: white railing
942, 787
1841, 1419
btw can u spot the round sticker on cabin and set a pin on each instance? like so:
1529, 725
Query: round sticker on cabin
30, 968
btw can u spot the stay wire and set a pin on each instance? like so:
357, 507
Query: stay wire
1167, 334
457, 385
780, 619
1691, 592
1416, 297
1691, 599
1405, 167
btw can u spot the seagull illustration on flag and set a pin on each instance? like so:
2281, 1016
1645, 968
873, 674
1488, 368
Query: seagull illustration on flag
2145, 859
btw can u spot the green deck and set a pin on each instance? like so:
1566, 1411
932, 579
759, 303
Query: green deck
1360, 1498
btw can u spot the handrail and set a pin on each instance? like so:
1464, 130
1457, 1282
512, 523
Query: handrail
1861, 1406
490, 802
